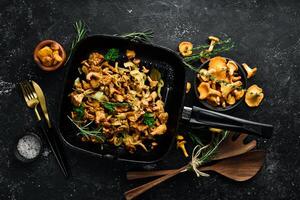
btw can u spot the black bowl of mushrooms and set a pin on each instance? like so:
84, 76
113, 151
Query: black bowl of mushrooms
220, 84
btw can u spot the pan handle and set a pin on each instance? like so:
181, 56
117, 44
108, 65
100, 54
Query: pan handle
200, 116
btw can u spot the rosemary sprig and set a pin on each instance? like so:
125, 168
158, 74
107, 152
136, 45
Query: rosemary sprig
84, 130
80, 28
195, 139
212, 148
144, 36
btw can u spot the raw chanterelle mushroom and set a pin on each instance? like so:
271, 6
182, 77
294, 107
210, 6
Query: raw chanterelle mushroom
232, 67
254, 96
185, 48
219, 64
228, 88
250, 72
205, 90
238, 94
213, 41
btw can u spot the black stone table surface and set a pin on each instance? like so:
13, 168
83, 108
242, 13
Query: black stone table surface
266, 34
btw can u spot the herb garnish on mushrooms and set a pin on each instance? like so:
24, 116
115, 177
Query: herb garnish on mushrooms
110, 106
87, 133
112, 54
148, 119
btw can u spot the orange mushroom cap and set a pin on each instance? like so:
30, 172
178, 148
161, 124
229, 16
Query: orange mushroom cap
219, 64
254, 96
185, 48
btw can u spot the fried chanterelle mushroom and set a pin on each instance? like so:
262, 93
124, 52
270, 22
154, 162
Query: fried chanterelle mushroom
254, 96
118, 103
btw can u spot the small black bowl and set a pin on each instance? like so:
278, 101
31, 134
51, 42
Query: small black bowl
20, 157
204, 102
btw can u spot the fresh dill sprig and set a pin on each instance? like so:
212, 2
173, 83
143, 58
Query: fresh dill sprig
144, 36
86, 132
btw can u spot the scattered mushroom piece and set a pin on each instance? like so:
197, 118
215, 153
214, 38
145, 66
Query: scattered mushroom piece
254, 96
213, 41
215, 130
188, 87
130, 54
181, 144
185, 48
250, 71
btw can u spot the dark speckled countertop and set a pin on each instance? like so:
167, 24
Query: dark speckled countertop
267, 34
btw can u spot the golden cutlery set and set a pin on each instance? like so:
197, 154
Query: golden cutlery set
34, 97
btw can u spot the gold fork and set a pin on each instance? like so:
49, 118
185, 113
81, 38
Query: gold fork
30, 97
32, 101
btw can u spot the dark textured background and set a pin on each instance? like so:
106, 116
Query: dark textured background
266, 34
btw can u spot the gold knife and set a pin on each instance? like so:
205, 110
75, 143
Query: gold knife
49, 133
42, 101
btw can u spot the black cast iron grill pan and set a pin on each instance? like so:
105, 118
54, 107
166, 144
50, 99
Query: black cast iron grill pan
172, 70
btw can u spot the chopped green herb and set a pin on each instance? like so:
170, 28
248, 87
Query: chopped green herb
112, 54
79, 111
110, 106
149, 119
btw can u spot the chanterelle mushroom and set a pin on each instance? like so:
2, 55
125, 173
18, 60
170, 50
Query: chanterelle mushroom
238, 94
230, 99
219, 64
94, 75
185, 48
232, 67
227, 88
181, 144
76, 99
254, 96
159, 130
213, 41
214, 100
205, 90
250, 71
205, 74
